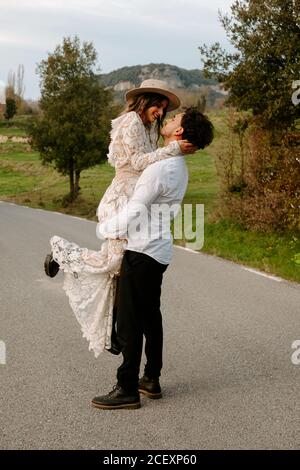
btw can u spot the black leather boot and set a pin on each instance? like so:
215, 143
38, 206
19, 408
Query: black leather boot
150, 387
51, 266
117, 399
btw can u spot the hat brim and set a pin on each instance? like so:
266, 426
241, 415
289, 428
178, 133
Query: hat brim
174, 101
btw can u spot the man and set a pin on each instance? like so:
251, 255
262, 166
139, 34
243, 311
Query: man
144, 262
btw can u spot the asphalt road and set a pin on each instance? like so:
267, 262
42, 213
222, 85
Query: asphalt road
228, 379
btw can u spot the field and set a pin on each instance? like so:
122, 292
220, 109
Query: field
25, 181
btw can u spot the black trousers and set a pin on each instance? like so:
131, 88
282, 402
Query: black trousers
138, 315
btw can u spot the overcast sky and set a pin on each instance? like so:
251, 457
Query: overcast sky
124, 32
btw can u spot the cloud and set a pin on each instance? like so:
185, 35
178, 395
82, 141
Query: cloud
16, 39
126, 32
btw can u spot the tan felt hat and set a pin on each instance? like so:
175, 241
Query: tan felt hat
155, 86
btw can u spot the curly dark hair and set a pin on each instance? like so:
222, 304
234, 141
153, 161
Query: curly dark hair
197, 128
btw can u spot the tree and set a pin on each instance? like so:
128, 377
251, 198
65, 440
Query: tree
266, 61
11, 85
20, 88
11, 108
73, 129
15, 88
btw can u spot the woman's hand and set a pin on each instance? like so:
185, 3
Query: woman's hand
186, 147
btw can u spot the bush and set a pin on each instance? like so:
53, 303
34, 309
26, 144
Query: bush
11, 108
260, 175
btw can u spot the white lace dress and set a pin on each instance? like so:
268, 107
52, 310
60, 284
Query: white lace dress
90, 276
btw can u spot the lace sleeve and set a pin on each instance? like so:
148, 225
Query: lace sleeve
135, 148
140, 160
128, 146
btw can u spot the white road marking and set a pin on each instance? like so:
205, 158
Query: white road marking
80, 218
53, 212
186, 249
254, 271
251, 270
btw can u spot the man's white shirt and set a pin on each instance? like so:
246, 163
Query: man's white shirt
145, 219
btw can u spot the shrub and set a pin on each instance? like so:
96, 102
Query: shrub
260, 175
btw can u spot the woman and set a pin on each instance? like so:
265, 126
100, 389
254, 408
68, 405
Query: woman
90, 277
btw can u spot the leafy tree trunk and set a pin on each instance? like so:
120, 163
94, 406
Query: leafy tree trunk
72, 184
74, 176
77, 178
241, 142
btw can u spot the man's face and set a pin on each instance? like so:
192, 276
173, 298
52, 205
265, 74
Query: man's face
172, 126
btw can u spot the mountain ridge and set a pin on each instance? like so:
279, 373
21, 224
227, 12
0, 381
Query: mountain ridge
128, 77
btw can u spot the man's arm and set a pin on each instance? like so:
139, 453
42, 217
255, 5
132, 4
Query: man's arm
148, 187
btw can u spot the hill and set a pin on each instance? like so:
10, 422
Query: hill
189, 83
129, 77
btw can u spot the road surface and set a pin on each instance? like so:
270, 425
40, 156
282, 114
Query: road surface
228, 379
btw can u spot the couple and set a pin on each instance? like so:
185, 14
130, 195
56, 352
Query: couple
145, 175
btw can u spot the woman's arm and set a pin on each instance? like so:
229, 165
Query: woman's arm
132, 148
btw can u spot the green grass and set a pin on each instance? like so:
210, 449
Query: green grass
13, 131
272, 252
15, 153
44, 187
13, 182
25, 181
17, 121
203, 182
